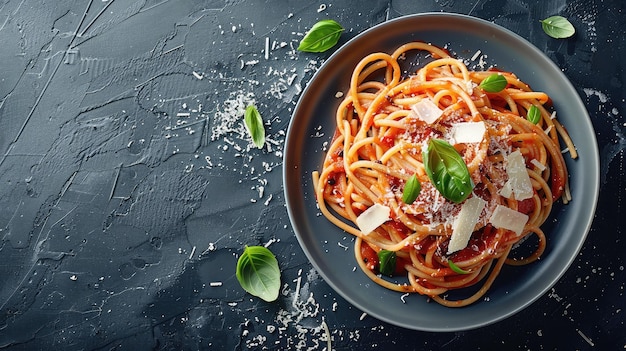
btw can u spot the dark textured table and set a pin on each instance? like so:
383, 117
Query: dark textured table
129, 186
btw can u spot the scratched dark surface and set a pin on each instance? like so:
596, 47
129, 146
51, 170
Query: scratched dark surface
128, 190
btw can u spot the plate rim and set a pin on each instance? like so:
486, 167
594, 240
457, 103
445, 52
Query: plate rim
291, 136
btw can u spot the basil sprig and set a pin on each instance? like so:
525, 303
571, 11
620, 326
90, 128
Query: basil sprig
447, 170
412, 189
254, 125
457, 269
494, 83
258, 272
557, 27
386, 262
533, 114
321, 37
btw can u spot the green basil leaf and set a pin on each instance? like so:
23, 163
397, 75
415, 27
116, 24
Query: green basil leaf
558, 27
457, 269
258, 272
494, 83
254, 125
447, 170
412, 189
321, 37
386, 262
533, 115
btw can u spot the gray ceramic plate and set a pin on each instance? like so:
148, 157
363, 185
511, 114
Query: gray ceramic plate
312, 125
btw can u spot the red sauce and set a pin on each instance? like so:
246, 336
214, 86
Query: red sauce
557, 184
424, 245
400, 228
481, 191
369, 256
388, 140
400, 263
526, 206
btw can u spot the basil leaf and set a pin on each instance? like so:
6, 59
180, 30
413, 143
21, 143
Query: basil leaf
494, 83
386, 262
533, 115
447, 170
258, 272
412, 189
254, 125
321, 37
558, 27
457, 269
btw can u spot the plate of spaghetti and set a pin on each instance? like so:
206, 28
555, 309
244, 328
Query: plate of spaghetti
440, 172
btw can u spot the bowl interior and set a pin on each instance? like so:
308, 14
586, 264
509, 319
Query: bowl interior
313, 124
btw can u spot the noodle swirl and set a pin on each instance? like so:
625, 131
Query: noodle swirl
379, 143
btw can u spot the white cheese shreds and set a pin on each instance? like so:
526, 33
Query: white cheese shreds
465, 222
538, 164
372, 218
197, 75
506, 218
468, 132
427, 111
518, 176
553, 115
476, 55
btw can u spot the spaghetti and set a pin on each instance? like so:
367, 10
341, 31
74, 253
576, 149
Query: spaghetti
383, 130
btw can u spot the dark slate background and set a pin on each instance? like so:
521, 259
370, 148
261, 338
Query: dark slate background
128, 190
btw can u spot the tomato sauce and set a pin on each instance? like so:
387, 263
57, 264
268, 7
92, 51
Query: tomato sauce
557, 184
478, 243
526, 206
370, 257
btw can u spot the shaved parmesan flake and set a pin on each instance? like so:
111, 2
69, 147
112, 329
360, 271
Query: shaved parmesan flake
427, 111
506, 218
506, 190
518, 176
465, 222
372, 218
468, 132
